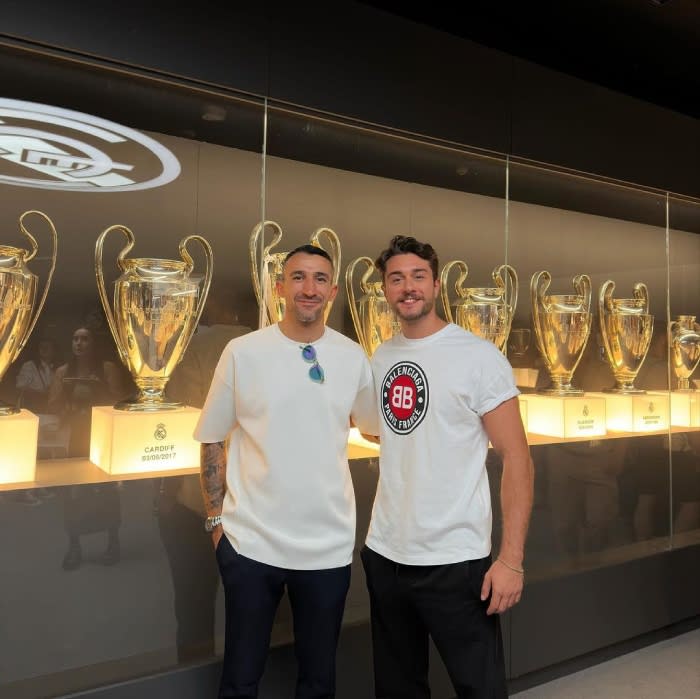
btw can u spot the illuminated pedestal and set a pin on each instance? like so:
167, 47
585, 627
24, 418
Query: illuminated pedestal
643, 412
522, 403
525, 377
18, 438
359, 447
124, 442
685, 408
566, 416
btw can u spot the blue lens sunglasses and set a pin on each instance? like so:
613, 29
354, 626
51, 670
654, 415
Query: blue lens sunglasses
308, 352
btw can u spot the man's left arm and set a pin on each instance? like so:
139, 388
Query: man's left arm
504, 579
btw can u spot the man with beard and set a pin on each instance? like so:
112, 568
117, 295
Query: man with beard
279, 497
443, 394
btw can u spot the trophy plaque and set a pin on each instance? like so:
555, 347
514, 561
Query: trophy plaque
267, 270
626, 328
484, 311
157, 306
685, 349
372, 316
18, 292
562, 324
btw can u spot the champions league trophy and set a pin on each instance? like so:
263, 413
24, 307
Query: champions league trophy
372, 316
18, 292
485, 311
271, 264
562, 324
157, 307
626, 328
685, 349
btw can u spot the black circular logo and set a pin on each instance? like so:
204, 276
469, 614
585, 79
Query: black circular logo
404, 397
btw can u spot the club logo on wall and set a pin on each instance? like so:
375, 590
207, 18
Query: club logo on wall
53, 148
404, 397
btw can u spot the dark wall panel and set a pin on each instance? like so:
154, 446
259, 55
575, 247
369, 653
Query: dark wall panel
562, 120
216, 42
561, 618
363, 63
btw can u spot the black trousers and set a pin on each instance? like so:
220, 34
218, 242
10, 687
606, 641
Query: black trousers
252, 592
410, 604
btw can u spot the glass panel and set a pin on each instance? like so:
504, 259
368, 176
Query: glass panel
119, 564
599, 456
368, 187
684, 247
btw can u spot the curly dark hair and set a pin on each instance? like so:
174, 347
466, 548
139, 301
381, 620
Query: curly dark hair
403, 244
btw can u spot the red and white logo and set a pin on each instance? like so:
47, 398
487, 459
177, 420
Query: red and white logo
404, 397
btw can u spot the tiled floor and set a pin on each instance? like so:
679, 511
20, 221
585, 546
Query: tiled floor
666, 670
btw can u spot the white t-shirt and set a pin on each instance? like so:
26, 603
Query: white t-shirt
433, 504
289, 498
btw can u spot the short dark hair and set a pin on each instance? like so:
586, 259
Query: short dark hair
308, 249
405, 244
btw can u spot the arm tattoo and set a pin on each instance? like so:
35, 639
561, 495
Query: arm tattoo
212, 475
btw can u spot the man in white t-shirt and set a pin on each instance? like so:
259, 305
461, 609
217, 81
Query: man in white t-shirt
443, 395
279, 497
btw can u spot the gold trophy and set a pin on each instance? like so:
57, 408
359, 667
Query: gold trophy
485, 311
626, 328
685, 349
562, 325
372, 316
157, 307
18, 291
271, 264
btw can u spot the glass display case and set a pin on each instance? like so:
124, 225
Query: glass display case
117, 558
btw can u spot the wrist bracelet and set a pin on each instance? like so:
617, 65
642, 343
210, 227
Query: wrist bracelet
520, 571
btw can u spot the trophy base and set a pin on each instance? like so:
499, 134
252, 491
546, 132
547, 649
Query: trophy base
625, 390
141, 442
560, 391
147, 406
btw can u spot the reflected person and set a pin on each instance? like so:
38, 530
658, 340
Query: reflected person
86, 380
179, 507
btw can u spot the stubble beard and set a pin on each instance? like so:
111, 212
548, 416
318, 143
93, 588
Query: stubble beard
415, 316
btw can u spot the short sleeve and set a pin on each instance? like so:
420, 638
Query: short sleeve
497, 383
365, 413
218, 415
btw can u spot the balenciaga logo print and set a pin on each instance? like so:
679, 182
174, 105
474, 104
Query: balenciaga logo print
404, 397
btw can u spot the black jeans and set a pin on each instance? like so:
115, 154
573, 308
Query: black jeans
409, 604
252, 592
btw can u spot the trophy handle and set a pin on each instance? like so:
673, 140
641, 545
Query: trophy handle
506, 278
539, 283
351, 295
35, 248
641, 292
605, 307
187, 258
444, 295
334, 251
582, 284
123, 355
255, 265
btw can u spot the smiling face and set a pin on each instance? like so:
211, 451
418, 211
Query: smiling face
411, 289
307, 288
